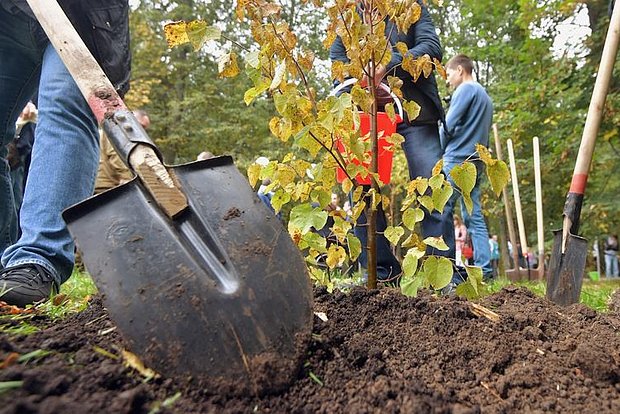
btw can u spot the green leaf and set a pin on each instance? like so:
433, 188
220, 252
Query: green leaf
305, 141
251, 94
437, 243
279, 199
34, 355
474, 276
304, 217
394, 233
355, 246
441, 196
410, 285
436, 181
466, 290
464, 176
412, 216
314, 241
473, 287
395, 139
198, 33
252, 59
426, 202
321, 196
498, 176
9, 385
438, 270
410, 262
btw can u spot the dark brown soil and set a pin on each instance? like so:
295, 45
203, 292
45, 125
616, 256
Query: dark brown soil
378, 352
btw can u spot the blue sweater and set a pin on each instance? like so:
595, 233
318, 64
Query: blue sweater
468, 122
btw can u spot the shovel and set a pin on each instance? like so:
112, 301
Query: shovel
201, 279
568, 257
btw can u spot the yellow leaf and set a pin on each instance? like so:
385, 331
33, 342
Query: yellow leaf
335, 256
437, 243
253, 173
227, 65
498, 175
484, 154
440, 69
393, 234
412, 216
362, 98
132, 361
412, 109
438, 167
347, 186
441, 196
176, 34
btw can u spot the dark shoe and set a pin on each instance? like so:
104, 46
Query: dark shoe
449, 290
26, 284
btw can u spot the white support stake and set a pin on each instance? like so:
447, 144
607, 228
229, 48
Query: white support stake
515, 190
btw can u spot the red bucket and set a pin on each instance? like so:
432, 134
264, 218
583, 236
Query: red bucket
388, 127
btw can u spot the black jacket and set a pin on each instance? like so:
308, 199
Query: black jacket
421, 39
104, 27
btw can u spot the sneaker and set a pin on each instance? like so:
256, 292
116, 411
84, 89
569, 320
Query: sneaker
449, 290
26, 284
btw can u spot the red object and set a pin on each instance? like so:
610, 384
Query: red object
385, 124
467, 251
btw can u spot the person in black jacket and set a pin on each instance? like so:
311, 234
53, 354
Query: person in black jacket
422, 147
66, 146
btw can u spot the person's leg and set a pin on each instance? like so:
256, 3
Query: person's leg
388, 266
19, 72
607, 265
479, 234
62, 172
423, 150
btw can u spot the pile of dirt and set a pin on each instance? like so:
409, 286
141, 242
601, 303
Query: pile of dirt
378, 351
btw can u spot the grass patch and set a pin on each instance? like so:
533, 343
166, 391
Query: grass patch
594, 294
73, 297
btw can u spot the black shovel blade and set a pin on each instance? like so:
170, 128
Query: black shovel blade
219, 295
566, 270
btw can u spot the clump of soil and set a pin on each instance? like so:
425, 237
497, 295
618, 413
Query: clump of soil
378, 352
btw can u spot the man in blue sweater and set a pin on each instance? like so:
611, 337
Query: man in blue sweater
468, 122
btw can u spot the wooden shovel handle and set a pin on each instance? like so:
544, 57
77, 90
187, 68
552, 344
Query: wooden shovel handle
104, 101
597, 103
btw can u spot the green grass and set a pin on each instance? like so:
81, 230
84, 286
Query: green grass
79, 285
594, 294
73, 297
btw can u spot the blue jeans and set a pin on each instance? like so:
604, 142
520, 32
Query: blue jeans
611, 264
422, 150
64, 156
474, 222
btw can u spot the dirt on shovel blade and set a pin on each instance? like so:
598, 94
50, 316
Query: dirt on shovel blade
377, 352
